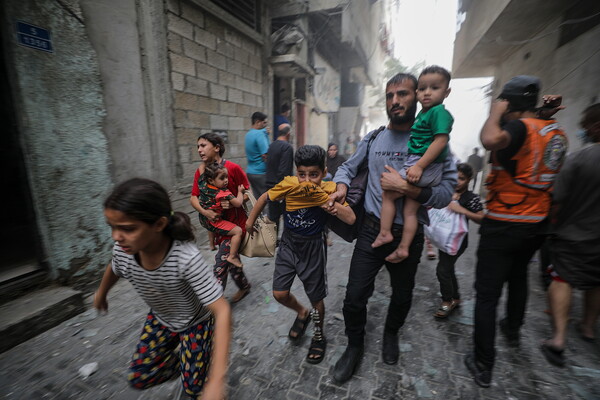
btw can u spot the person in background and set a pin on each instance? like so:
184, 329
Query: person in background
256, 146
466, 203
280, 163
476, 162
350, 146
334, 159
527, 153
574, 240
211, 149
282, 118
188, 329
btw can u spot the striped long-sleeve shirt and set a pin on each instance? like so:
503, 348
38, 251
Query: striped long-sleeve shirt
179, 290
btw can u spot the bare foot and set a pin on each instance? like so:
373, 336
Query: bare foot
235, 260
382, 238
397, 256
212, 247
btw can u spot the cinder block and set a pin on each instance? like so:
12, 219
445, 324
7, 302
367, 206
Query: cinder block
249, 73
249, 99
174, 43
207, 72
193, 14
231, 36
219, 122
177, 80
241, 55
227, 108
196, 86
182, 64
255, 61
186, 136
245, 112
235, 96
216, 60
180, 26
235, 67
227, 79
208, 105
194, 50
198, 121
186, 101
236, 123
255, 88
225, 48
205, 38
218, 92
173, 6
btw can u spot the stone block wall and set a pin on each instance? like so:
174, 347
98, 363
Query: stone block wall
217, 76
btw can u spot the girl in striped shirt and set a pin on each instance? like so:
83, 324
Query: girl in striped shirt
154, 250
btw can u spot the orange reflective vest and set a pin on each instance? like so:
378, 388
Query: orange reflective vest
525, 196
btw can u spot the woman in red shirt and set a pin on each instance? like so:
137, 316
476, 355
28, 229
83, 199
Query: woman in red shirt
211, 149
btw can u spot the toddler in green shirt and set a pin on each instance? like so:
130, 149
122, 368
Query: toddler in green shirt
427, 151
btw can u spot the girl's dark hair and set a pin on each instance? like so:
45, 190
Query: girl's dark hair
466, 170
212, 170
148, 201
215, 140
310, 156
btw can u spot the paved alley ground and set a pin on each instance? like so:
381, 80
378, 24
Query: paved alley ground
265, 365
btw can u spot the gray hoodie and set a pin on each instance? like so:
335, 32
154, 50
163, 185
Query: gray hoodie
390, 148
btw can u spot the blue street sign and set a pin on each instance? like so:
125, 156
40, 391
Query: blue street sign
33, 36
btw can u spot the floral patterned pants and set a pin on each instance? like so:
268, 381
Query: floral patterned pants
156, 361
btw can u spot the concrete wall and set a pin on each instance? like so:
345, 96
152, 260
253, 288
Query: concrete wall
60, 114
219, 79
572, 70
129, 38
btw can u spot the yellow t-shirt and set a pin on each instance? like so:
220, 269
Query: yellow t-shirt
301, 195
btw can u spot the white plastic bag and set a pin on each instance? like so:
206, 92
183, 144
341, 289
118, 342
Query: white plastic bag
446, 229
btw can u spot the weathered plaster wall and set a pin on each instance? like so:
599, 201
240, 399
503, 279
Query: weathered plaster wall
60, 112
138, 121
572, 70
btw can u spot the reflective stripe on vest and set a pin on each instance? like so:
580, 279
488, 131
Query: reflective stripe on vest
519, 217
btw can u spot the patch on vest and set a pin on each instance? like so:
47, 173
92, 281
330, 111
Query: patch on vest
555, 152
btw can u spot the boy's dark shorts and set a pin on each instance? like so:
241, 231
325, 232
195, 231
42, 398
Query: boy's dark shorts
305, 256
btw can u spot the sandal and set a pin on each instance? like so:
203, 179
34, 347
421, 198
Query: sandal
445, 310
299, 327
553, 355
316, 351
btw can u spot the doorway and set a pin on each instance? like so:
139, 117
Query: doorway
19, 244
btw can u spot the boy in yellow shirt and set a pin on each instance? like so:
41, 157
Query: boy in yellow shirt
302, 250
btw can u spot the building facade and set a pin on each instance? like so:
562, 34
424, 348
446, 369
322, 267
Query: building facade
555, 40
95, 92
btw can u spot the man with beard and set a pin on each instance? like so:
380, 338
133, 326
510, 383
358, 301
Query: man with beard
387, 154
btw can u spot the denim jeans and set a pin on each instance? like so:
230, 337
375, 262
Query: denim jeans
364, 266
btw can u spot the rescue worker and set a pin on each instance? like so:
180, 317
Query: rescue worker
527, 153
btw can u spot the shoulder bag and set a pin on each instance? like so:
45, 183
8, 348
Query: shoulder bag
355, 198
262, 242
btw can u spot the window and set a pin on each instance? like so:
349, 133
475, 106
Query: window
580, 10
247, 11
